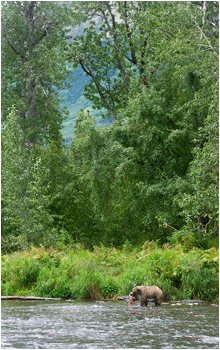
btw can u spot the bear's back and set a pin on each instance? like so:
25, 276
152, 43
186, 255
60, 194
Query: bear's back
152, 292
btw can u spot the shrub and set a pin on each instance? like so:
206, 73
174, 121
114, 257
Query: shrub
43, 289
62, 289
8, 288
202, 284
87, 283
170, 292
28, 272
109, 287
135, 275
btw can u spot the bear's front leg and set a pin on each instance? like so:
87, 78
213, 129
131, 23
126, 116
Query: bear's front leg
144, 301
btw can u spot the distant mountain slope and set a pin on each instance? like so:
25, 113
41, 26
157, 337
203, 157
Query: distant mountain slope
73, 97
74, 100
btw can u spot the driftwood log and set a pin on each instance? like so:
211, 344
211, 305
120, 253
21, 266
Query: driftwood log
15, 297
123, 298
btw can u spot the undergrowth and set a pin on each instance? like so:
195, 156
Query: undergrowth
74, 272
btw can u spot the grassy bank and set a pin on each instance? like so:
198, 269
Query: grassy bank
107, 272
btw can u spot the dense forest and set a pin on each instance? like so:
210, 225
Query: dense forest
150, 173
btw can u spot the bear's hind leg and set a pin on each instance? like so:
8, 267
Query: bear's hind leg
144, 302
158, 301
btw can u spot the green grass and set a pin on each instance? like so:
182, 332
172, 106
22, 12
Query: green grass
108, 272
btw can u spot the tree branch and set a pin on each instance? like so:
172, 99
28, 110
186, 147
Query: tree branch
10, 44
203, 18
88, 71
204, 36
166, 31
129, 33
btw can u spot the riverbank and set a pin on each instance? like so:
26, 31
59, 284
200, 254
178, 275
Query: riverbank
74, 272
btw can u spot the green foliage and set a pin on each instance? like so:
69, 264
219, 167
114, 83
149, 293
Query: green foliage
185, 237
109, 288
108, 272
11, 243
133, 176
200, 206
203, 283
150, 175
25, 204
31, 178
28, 80
73, 99
33, 35
87, 283
54, 288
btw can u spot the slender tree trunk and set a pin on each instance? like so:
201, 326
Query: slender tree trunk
24, 217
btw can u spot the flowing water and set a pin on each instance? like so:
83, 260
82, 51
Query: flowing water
108, 325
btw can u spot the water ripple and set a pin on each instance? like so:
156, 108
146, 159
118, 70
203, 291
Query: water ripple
82, 325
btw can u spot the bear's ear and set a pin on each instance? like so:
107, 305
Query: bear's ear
135, 285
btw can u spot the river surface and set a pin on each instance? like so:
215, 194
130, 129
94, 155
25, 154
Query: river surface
108, 325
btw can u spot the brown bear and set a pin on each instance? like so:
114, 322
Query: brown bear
146, 293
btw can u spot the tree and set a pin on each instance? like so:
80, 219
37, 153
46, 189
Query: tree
200, 206
157, 122
33, 67
126, 40
24, 209
33, 37
112, 52
103, 204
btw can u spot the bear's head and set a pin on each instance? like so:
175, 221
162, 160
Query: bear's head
135, 291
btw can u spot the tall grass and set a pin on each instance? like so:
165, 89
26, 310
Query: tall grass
74, 272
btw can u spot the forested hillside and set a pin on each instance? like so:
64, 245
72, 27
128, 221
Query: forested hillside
151, 67
72, 97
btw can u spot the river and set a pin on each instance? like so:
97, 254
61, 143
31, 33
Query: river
108, 325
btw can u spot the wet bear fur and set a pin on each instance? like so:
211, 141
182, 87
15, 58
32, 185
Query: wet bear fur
152, 292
